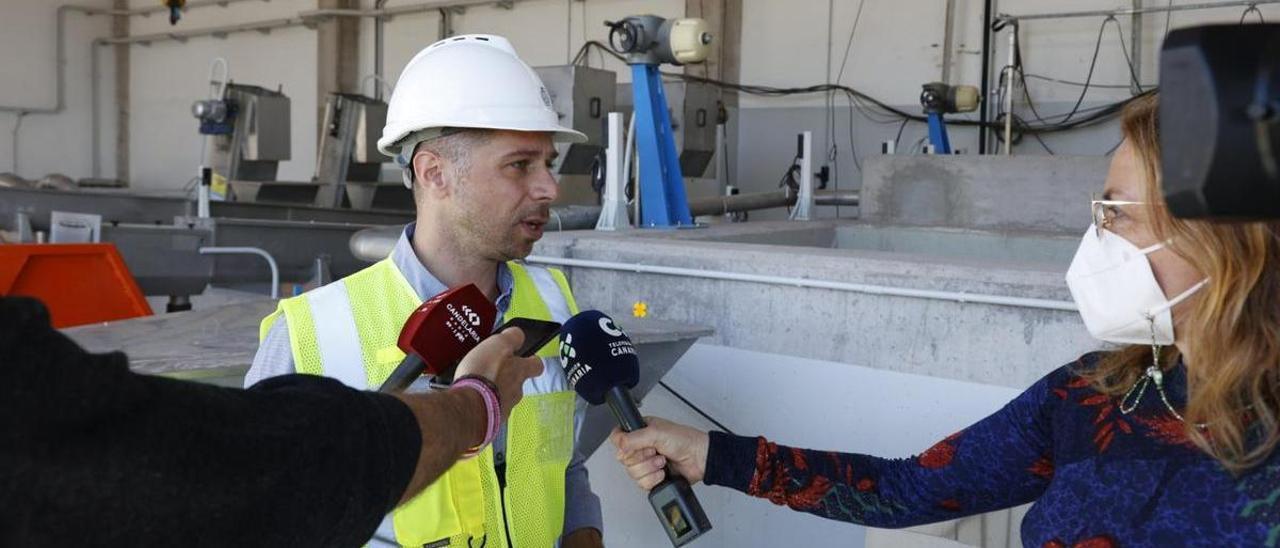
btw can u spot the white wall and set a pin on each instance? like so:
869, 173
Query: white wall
60, 142
168, 76
792, 401
537, 29
897, 47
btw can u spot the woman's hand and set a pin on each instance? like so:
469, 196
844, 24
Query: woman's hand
647, 451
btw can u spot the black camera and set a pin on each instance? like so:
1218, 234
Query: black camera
1220, 122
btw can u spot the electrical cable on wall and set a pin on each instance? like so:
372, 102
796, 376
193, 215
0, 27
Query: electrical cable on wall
1133, 72
879, 112
898, 138
696, 409
1251, 9
871, 104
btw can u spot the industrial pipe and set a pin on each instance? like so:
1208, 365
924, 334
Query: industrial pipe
574, 217
374, 244
271, 262
400, 10
1008, 90
953, 296
983, 114
724, 205
60, 62
379, 49
148, 10
218, 31
837, 198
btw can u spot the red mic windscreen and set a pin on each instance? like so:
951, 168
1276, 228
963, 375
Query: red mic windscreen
447, 326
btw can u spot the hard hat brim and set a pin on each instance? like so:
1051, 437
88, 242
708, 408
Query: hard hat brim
560, 134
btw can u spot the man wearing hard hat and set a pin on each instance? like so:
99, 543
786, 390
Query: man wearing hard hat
473, 128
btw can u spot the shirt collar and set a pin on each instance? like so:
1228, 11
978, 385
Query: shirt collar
426, 285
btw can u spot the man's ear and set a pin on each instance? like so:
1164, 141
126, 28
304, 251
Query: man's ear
429, 172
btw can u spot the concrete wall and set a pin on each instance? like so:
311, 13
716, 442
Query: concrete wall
1006, 193
987, 343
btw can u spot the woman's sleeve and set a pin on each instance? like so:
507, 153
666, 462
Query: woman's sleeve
1001, 461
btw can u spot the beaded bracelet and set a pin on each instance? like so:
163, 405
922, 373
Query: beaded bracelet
493, 409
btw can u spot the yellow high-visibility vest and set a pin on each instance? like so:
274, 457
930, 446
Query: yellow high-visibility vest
348, 330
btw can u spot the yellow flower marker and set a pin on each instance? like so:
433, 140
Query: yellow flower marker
640, 309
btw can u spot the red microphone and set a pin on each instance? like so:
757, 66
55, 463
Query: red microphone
439, 334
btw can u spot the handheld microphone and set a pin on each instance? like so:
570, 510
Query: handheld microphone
601, 365
439, 333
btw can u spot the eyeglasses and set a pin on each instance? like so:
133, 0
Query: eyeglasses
1105, 212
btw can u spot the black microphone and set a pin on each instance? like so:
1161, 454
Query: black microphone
601, 365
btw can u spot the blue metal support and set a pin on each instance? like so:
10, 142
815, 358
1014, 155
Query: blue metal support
663, 203
938, 134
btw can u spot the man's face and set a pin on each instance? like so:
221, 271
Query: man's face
500, 206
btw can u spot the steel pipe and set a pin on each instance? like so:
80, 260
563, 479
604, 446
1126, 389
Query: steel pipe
401, 10
374, 244
724, 205
271, 261
379, 49
953, 296
837, 198
148, 10
60, 62
219, 31
574, 217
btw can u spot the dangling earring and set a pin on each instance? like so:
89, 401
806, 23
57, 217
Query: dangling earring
1152, 373
1153, 376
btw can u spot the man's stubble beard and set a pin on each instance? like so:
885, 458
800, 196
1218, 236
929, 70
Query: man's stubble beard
478, 230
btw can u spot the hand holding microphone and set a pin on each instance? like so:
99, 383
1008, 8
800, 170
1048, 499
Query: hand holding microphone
439, 333
647, 452
497, 360
601, 365
448, 338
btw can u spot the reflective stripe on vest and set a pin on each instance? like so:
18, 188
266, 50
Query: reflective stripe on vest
348, 330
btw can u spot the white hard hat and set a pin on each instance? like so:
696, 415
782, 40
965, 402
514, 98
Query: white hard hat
469, 81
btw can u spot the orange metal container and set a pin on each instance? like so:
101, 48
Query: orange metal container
80, 283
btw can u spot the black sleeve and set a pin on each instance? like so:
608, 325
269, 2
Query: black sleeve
92, 454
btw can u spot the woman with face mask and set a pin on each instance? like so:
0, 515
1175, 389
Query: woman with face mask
1170, 440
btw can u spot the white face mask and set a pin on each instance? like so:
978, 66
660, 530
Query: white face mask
1117, 293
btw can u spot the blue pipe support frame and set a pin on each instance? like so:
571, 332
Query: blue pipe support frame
938, 134
663, 203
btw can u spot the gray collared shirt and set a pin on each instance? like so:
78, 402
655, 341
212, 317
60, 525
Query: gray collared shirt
275, 357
